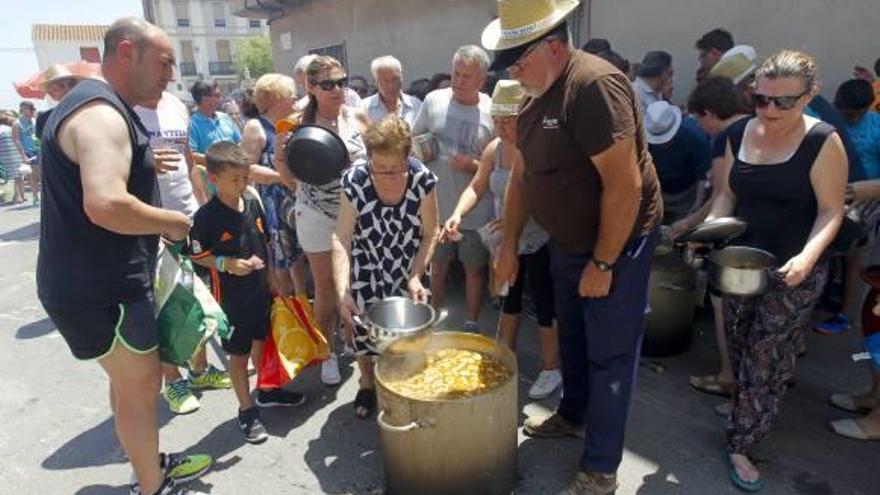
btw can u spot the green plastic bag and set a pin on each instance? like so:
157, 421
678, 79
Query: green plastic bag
187, 313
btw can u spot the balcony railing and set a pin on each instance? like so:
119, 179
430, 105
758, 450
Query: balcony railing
188, 69
221, 68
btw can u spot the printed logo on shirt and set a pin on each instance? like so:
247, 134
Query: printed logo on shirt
226, 236
549, 123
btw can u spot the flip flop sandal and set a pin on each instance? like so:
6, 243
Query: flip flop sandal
850, 429
746, 486
365, 399
710, 384
847, 403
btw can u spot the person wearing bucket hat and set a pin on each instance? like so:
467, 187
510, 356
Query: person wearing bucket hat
681, 154
533, 251
586, 176
457, 119
737, 64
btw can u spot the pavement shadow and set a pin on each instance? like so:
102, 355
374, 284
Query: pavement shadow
27, 233
345, 457
101, 490
35, 329
97, 446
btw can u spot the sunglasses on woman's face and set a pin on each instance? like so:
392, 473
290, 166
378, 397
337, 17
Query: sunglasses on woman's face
781, 102
329, 84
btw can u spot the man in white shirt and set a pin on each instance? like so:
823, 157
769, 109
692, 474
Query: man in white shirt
654, 80
388, 75
167, 124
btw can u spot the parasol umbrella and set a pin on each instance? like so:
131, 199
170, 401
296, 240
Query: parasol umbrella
32, 87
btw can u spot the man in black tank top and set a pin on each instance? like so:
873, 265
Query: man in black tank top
100, 228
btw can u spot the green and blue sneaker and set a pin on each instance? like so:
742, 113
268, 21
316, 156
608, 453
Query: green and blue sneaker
180, 398
211, 378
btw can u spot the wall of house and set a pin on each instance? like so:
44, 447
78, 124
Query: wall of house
57, 52
423, 35
839, 33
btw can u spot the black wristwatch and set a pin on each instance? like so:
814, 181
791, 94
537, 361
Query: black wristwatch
602, 266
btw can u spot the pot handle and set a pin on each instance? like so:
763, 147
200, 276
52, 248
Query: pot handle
675, 287
415, 425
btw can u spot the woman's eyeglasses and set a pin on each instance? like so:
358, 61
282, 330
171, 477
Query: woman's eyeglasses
386, 173
781, 102
329, 84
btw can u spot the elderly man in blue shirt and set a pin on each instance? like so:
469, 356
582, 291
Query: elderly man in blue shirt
390, 100
207, 125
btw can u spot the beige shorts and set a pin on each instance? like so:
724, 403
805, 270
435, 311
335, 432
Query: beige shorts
470, 250
314, 229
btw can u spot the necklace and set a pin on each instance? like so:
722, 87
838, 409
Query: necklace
332, 123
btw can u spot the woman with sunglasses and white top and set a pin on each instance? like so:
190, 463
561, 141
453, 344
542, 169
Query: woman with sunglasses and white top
786, 176
386, 234
317, 206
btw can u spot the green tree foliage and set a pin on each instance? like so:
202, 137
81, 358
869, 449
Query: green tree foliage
255, 55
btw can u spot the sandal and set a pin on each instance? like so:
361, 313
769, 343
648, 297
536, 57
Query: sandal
746, 486
365, 400
712, 384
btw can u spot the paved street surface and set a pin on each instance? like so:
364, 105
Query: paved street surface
57, 435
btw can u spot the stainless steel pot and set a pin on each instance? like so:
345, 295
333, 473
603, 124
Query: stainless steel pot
448, 447
399, 318
741, 270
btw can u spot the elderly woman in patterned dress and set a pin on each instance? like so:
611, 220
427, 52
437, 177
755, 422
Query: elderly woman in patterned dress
385, 236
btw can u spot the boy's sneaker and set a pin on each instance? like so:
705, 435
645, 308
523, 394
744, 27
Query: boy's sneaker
838, 323
548, 381
278, 397
330, 371
211, 378
169, 487
178, 468
180, 398
251, 426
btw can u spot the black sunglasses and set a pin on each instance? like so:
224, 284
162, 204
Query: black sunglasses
329, 84
781, 102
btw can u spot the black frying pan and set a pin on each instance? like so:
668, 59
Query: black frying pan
316, 155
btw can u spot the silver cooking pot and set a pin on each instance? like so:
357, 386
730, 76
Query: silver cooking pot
741, 270
399, 318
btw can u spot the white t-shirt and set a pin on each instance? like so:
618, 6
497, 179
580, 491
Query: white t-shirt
168, 127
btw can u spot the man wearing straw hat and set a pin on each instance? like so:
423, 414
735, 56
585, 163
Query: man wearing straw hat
586, 176
57, 82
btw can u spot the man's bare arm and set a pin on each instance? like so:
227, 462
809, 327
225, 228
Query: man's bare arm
621, 198
96, 137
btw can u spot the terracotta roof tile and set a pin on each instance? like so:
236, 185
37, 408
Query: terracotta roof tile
67, 32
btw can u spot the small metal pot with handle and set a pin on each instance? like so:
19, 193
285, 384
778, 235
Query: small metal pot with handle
399, 318
741, 270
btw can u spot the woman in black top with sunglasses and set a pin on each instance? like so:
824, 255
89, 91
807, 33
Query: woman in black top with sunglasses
786, 176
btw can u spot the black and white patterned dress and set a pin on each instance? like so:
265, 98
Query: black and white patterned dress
386, 237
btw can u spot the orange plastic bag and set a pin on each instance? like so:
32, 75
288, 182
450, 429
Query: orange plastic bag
294, 343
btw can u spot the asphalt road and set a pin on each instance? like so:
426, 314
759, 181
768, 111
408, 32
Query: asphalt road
57, 435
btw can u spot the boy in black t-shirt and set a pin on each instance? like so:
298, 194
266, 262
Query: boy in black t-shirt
228, 237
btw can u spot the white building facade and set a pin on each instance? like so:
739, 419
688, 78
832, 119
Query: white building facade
63, 43
204, 33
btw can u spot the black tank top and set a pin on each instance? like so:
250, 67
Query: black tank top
80, 264
778, 200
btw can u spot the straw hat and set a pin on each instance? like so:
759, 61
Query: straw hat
662, 121
522, 21
55, 73
506, 98
736, 64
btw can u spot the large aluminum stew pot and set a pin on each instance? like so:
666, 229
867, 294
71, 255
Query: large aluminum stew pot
399, 318
741, 270
316, 155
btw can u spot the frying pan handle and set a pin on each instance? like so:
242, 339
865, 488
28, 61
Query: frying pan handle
415, 425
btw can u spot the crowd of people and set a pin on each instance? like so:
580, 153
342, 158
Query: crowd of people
551, 181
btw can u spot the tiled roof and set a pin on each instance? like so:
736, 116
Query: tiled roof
67, 32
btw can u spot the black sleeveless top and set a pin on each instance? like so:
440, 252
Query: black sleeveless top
80, 264
777, 200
